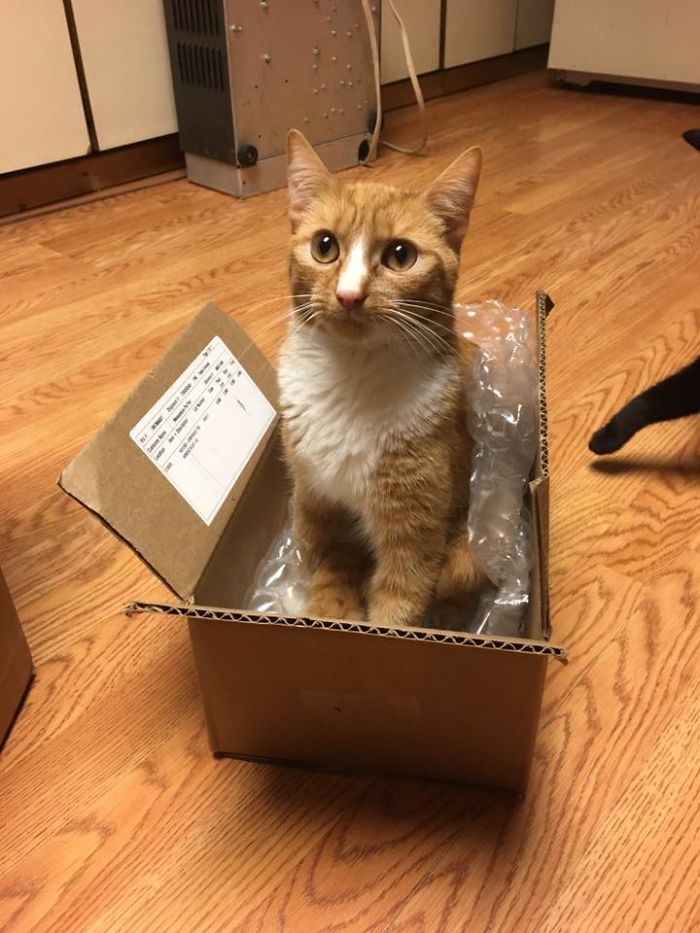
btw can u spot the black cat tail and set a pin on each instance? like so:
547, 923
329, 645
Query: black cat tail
675, 397
613, 435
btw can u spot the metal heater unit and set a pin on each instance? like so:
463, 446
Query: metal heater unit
245, 71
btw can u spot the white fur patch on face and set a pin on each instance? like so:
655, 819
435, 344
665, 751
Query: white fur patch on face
354, 275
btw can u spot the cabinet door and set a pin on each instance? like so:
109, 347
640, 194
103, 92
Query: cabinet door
628, 38
534, 24
476, 29
422, 21
127, 70
41, 113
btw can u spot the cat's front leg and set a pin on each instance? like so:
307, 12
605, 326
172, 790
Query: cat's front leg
408, 521
338, 564
408, 565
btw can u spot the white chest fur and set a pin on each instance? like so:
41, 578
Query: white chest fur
343, 403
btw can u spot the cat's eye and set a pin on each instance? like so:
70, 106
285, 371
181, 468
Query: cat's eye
400, 255
324, 247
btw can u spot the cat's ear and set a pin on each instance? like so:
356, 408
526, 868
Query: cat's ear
307, 175
451, 195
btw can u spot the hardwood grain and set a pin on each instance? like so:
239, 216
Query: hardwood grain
113, 814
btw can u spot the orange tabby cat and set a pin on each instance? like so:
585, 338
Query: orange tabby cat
372, 391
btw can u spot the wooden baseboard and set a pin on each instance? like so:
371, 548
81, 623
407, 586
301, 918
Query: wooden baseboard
24, 190
438, 83
112, 191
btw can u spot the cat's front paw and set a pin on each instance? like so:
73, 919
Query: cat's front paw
390, 610
334, 601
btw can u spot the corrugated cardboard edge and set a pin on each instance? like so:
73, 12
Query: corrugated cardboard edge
434, 636
539, 487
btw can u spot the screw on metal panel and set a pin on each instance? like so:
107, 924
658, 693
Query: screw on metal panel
263, 3
341, 111
375, 10
236, 28
334, 58
349, 83
348, 34
323, 86
329, 19
357, 25
348, 66
334, 32
325, 116
359, 106
267, 57
306, 119
342, 82
315, 90
332, 109
315, 66
317, 51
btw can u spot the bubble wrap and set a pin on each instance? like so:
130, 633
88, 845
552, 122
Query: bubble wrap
502, 396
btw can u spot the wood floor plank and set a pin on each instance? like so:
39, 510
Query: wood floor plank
603, 741
114, 816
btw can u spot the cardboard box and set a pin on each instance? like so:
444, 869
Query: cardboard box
337, 695
15, 662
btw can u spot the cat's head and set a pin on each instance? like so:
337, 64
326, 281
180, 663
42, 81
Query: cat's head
368, 261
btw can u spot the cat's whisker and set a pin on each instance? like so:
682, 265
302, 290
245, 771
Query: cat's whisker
403, 306
277, 321
410, 340
418, 339
284, 315
445, 309
419, 306
425, 306
438, 344
267, 301
436, 341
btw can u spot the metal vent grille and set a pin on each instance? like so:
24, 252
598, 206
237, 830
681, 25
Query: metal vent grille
200, 17
197, 42
200, 65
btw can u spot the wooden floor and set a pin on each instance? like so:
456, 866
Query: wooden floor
113, 814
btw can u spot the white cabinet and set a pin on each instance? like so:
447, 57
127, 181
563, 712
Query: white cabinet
422, 21
476, 29
127, 70
41, 113
637, 39
534, 22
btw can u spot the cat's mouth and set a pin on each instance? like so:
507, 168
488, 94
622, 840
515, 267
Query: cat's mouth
353, 324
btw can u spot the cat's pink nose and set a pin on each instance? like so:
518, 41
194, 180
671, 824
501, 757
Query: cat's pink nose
349, 299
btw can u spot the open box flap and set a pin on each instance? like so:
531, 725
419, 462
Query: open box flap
169, 512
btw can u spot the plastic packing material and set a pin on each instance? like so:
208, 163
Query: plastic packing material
501, 394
